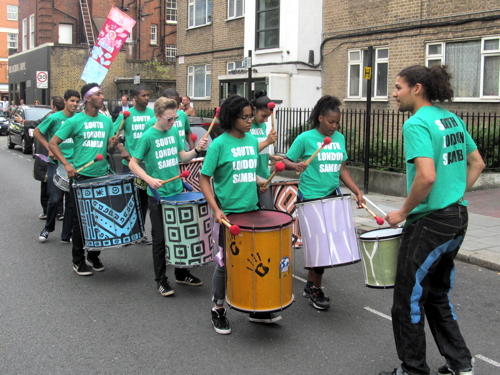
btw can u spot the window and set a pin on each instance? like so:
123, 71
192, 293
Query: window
358, 60
12, 41
234, 65
474, 66
200, 12
267, 24
154, 34
65, 33
32, 31
12, 12
25, 34
172, 11
130, 38
199, 81
171, 52
235, 8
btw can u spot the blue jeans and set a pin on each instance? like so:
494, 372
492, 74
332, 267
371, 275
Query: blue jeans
425, 276
56, 196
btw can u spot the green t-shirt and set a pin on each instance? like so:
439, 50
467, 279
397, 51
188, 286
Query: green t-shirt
182, 125
322, 176
232, 162
49, 128
433, 132
134, 127
90, 136
259, 132
160, 152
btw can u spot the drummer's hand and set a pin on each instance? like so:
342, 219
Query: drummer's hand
219, 215
395, 217
125, 155
202, 144
262, 190
113, 141
70, 170
275, 158
51, 155
301, 167
360, 199
155, 183
272, 137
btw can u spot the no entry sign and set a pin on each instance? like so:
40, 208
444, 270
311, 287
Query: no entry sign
42, 80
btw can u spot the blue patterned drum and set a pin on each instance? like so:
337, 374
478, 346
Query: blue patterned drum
109, 211
188, 224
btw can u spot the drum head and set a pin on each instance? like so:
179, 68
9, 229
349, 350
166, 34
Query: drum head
329, 197
61, 171
106, 179
183, 198
383, 233
261, 219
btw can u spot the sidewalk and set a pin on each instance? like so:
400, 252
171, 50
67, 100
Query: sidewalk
482, 242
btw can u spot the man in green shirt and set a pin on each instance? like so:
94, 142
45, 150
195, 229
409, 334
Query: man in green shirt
92, 135
442, 163
46, 130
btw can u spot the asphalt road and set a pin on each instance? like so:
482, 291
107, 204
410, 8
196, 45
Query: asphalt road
115, 322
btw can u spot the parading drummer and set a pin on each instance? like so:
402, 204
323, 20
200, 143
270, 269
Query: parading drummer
322, 176
92, 134
231, 161
161, 148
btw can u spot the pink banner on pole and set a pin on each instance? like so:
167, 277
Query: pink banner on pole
113, 35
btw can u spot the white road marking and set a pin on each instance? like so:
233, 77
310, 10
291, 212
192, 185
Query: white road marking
490, 361
299, 278
377, 313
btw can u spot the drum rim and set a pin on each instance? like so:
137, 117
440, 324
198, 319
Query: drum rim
287, 224
57, 178
378, 238
324, 199
164, 200
90, 182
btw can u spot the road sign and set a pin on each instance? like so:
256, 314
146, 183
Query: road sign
368, 72
42, 80
137, 80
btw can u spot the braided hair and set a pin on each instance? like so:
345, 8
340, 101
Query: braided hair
323, 106
434, 80
230, 110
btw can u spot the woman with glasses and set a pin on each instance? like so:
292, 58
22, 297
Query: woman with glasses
231, 162
322, 176
161, 149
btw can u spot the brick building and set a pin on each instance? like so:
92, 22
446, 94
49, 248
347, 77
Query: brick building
464, 35
215, 36
56, 36
8, 41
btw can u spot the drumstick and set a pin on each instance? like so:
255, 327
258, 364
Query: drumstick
183, 174
379, 220
280, 166
125, 115
217, 111
326, 141
233, 229
99, 157
271, 106
374, 205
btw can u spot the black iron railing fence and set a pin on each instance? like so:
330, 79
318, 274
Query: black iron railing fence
386, 140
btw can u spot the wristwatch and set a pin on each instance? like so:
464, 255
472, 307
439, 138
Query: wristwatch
197, 151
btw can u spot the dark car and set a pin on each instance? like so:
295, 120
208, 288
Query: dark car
21, 133
4, 125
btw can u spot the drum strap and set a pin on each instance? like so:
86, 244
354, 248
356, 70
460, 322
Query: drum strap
157, 195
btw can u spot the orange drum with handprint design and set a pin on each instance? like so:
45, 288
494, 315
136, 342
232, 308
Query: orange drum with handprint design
259, 261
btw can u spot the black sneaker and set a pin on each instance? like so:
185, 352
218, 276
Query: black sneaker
264, 318
95, 264
188, 279
66, 240
307, 293
146, 241
220, 322
43, 236
317, 299
60, 217
445, 370
165, 289
82, 269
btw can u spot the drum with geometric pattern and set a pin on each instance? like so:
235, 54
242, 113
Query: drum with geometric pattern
108, 210
194, 168
284, 197
188, 223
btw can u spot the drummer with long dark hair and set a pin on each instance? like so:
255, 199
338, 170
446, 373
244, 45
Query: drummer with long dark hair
322, 176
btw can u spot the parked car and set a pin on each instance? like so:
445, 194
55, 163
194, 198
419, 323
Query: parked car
4, 125
21, 133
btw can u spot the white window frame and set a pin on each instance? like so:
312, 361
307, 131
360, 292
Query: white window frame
171, 52
377, 60
12, 13
32, 31
207, 80
171, 14
154, 34
25, 33
12, 41
441, 57
192, 13
231, 5
232, 65
130, 38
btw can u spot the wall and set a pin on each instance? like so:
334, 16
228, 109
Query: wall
6, 27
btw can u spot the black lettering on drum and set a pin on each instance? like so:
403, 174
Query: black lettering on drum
234, 249
260, 270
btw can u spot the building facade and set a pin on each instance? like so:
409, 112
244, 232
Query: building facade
56, 37
9, 16
461, 34
216, 37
